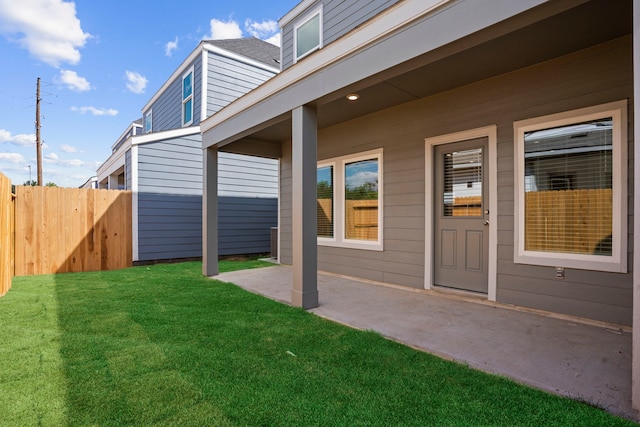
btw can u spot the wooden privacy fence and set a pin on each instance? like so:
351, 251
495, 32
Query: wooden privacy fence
59, 230
361, 219
570, 221
6, 234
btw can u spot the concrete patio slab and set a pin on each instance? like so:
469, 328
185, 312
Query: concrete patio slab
571, 357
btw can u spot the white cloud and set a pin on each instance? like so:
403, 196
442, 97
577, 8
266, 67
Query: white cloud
12, 157
360, 178
261, 30
23, 140
170, 47
74, 81
95, 111
53, 160
224, 30
274, 39
68, 148
48, 29
136, 82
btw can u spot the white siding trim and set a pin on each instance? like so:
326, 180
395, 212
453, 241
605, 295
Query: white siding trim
134, 203
191, 97
491, 133
169, 134
279, 210
131, 127
204, 86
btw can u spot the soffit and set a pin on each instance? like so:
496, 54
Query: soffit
455, 65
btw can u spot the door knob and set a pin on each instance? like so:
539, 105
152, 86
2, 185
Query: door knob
485, 222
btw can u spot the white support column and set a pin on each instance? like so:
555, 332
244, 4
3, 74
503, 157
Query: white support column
112, 182
304, 212
210, 211
635, 359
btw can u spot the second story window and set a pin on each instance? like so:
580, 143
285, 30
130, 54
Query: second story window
308, 35
187, 98
148, 122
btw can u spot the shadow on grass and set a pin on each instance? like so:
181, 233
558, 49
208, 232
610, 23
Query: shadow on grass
163, 345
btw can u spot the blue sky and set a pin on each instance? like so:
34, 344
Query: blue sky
99, 63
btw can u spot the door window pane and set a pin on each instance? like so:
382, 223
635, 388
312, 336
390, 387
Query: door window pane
361, 200
568, 188
462, 195
325, 201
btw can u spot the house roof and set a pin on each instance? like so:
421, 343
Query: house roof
251, 47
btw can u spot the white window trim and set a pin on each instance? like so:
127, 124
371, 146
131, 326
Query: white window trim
310, 16
338, 239
185, 100
617, 262
144, 122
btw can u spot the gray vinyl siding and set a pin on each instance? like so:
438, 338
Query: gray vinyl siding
167, 109
170, 201
593, 76
245, 224
246, 176
228, 79
339, 17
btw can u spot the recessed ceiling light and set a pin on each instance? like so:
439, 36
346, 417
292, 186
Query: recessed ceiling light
353, 97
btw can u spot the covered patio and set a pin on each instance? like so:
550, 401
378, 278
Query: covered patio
302, 116
587, 361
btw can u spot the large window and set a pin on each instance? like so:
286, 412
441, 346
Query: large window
349, 203
308, 35
187, 98
571, 189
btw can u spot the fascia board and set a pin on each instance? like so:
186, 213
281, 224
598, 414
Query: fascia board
295, 12
168, 134
240, 58
131, 126
114, 161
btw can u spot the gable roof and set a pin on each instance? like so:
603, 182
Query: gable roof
251, 47
248, 50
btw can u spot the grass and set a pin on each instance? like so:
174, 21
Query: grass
162, 345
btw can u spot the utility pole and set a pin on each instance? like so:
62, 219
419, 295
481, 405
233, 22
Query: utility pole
38, 141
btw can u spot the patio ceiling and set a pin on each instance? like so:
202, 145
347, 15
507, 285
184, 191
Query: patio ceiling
502, 48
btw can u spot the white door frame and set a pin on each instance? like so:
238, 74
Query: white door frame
490, 132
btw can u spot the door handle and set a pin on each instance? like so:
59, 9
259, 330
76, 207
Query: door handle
485, 222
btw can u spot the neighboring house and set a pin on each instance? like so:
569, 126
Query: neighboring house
90, 183
159, 158
474, 145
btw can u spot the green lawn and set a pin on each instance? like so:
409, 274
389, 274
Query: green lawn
162, 345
